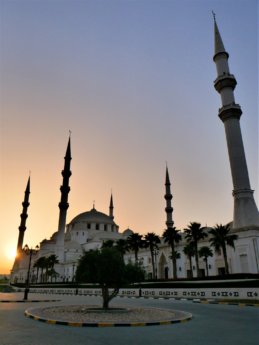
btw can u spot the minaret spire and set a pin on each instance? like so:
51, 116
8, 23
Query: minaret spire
168, 197
218, 43
23, 216
245, 210
63, 205
111, 208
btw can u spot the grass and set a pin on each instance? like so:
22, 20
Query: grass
6, 288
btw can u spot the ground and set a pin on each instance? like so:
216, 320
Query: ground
211, 324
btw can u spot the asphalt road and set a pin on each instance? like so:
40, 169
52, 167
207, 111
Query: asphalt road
211, 325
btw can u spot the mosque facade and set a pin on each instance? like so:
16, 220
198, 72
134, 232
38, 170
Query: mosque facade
89, 230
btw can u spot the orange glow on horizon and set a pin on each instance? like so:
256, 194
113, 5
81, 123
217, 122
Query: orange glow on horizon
10, 253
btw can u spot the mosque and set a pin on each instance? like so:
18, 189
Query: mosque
90, 229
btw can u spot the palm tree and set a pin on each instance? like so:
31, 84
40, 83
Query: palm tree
193, 234
41, 263
151, 242
52, 260
108, 244
135, 242
205, 252
122, 246
189, 252
221, 238
37, 265
172, 236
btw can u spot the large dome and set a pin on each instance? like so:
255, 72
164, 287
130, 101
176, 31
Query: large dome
92, 221
92, 216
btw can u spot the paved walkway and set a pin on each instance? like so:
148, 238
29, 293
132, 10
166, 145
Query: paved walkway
211, 324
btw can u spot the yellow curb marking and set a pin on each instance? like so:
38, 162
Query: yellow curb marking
51, 322
105, 324
75, 324
138, 324
165, 323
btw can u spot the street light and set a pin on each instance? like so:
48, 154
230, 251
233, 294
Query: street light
28, 251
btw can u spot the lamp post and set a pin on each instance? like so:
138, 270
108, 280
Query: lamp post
28, 251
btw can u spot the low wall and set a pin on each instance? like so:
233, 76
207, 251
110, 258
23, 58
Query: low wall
194, 293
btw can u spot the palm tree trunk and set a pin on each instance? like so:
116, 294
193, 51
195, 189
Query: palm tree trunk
197, 260
153, 264
207, 268
190, 261
105, 294
225, 258
174, 261
136, 256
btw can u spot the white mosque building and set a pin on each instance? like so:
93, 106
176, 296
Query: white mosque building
90, 229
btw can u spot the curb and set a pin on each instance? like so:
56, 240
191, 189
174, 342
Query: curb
195, 300
158, 297
106, 324
228, 303
33, 301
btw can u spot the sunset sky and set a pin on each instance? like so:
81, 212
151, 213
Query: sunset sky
133, 81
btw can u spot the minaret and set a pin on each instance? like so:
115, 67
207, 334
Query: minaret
24, 216
111, 208
168, 197
63, 205
245, 210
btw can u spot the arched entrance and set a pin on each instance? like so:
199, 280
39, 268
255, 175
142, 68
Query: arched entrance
163, 267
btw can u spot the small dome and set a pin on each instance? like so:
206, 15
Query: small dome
127, 232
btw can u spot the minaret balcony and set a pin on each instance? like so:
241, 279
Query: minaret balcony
225, 80
229, 111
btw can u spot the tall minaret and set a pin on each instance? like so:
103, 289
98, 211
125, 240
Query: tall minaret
168, 197
63, 205
245, 210
111, 208
23, 216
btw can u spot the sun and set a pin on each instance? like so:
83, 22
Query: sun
10, 253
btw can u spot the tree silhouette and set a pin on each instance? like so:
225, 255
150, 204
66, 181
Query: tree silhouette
122, 246
220, 239
172, 236
106, 268
205, 253
151, 241
189, 252
135, 243
193, 234
41, 263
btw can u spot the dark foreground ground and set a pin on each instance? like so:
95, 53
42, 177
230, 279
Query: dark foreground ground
211, 324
